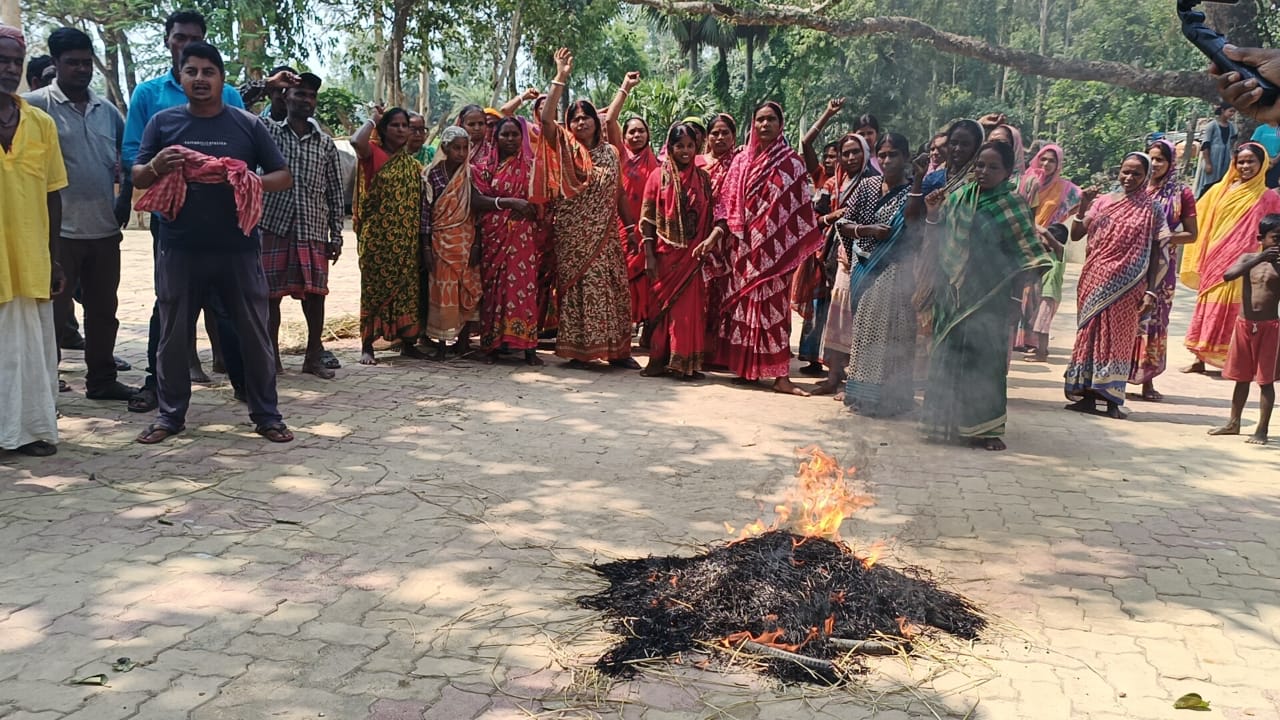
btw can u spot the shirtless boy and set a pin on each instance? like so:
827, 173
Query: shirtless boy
1255, 345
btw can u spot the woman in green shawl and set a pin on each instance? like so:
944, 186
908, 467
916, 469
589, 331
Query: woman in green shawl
987, 241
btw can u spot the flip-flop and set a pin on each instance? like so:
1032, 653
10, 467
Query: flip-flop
330, 360
275, 432
148, 436
144, 400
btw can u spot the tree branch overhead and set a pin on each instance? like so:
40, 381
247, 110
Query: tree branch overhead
1170, 83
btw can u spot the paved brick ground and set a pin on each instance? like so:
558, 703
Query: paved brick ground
415, 553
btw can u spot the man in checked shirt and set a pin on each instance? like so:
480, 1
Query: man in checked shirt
302, 226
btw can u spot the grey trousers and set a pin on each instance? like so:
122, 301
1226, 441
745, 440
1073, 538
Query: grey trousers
184, 279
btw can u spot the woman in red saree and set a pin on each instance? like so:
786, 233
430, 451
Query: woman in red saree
453, 298
579, 173
1118, 283
638, 163
722, 148
766, 210
387, 212
675, 221
511, 246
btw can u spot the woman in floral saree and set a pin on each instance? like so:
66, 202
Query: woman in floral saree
389, 233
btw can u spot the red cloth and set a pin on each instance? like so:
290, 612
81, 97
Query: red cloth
1255, 348
169, 192
636, 169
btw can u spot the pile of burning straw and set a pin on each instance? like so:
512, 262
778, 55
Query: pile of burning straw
800, 599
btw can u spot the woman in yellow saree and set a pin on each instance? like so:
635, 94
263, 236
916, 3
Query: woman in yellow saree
1229, 213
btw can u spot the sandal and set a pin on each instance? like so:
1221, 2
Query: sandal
157, 433
330, 360
275, 432
39, 448
144, 400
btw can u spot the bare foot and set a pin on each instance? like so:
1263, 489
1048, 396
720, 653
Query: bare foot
532, 360
1231, 428
786, 387
654, 369
1195, 367
1258, 438
1035, 357
1114, 412
992, 444
367, 358
838, 397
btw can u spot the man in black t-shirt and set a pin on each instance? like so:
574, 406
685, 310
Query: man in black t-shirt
203, 247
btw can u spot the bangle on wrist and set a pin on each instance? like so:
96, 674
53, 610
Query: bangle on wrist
915, 194
557, 82
927, 221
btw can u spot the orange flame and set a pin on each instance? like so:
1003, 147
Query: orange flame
772, 639
908, 629
819, 504
873, 554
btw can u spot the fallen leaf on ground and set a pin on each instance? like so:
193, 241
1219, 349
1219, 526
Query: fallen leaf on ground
1191, 701
99, 679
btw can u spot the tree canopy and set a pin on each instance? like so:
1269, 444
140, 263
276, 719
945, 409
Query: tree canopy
1094, 76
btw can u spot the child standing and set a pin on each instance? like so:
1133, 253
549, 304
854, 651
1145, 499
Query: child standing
1255, 344
1050, 295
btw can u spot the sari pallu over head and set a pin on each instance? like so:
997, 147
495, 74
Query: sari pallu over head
1228, 225
996, 223
677, 202
1053, 196
768, 207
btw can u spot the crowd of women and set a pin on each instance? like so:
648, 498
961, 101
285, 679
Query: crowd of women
937, 264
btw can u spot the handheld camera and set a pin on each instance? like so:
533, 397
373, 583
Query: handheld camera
1210, 42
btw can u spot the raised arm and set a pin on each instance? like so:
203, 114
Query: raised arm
564, 66
1077, 221
613, 127
510, 107
1249, 261
915, 208
811, 160
364, 135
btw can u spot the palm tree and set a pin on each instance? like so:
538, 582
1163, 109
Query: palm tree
693, 33
754, 36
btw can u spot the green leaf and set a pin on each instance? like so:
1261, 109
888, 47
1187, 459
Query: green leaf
124, 665
1191, 701
99, 679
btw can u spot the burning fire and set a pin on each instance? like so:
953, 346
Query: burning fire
818, 505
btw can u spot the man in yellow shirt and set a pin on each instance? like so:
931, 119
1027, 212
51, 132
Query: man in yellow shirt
31, 174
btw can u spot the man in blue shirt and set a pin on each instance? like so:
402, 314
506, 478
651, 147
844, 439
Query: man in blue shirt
180, 29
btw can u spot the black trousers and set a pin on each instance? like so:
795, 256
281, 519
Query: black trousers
184, 280
94, 267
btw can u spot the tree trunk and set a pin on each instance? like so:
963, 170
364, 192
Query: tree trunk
1038, 115
126, 58
1169, 83
379, 78
399, 28
109, 67
509, 62
751, 63
424, 90
253, 46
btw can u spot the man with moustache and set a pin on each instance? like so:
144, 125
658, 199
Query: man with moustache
302, 226
90, 131
203, 249
180, 29
31, 174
